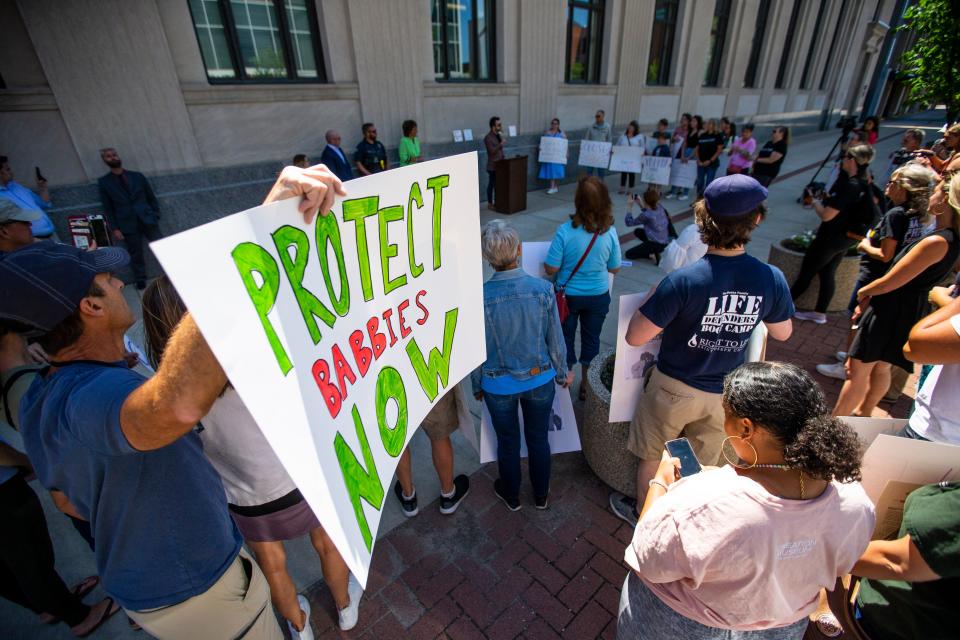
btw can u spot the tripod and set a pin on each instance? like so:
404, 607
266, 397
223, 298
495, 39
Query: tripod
807, 190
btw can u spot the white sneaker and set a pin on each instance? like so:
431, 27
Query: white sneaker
812, 316
670, 196
684, 197
835, 370
552, 191
307, 633
841, 356
350, 614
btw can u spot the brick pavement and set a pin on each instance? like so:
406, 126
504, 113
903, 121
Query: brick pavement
485, 572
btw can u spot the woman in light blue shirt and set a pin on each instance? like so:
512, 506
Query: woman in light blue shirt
587, 288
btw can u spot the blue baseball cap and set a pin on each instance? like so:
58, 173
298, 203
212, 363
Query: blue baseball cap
43, 283
734, 195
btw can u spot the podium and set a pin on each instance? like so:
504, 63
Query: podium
511, 185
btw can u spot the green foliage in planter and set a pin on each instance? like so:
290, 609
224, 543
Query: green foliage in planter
801, 242
606, 374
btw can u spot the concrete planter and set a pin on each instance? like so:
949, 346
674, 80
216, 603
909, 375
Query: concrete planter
605, 443
788, 261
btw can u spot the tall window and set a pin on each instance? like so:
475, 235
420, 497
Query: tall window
258, 40
718, 37
584, 35
811, 52
463, 40
661, 42
788, 43
833, 44
759, 33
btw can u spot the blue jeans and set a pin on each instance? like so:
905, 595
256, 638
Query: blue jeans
589, 312
600, 172
491, 185
536, 405
705, 176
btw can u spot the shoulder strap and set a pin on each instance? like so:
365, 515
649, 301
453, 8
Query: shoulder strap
582, 258
7, 385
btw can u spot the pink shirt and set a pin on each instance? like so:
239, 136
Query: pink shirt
736, 160
722, 551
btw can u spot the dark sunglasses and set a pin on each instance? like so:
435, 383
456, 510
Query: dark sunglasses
847, 156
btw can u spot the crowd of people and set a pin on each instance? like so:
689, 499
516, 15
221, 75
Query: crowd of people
160, 467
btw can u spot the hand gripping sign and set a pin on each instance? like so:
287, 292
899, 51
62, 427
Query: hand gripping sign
342, 334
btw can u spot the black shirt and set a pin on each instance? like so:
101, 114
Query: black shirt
846, 196
773, 168
372, 155
707, 145
895, 225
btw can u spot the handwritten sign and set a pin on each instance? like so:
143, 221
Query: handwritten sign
553, 150
627, 159
341, 335
458, 135
562, 431
656, 170
683, 174
468, 135
594, 154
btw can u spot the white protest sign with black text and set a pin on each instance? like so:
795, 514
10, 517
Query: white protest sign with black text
340, 335
656, 170
553, 150
683, 174
626, 159
594, 154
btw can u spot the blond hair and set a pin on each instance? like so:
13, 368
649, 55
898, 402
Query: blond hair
918, 181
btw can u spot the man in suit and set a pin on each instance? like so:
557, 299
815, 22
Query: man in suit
131, 209
334, 157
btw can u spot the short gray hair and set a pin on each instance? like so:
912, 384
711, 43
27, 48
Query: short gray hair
499, 242
862, 154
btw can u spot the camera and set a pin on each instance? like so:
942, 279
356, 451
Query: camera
847, 123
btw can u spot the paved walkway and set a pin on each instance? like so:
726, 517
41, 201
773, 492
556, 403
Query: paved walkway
485, 572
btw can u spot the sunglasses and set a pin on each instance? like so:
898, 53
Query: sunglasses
847, 156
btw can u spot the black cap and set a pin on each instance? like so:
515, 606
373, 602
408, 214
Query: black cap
42, 284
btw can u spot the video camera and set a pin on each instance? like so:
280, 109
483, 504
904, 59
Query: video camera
847, 123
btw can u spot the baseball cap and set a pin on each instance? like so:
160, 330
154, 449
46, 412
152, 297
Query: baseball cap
42, 284
10, 212
733, 195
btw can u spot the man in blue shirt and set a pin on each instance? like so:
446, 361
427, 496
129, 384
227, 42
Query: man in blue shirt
334, 157
370, 156
706, 311
27, 199
123, 448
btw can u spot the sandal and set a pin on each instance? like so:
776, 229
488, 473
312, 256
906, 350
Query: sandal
828, 625
582, 394
81, 589
99, 613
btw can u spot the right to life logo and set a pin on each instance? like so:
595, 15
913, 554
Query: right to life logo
732, 312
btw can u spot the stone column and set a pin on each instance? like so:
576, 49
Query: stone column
634, 56
695, 21
543, 39
738, 44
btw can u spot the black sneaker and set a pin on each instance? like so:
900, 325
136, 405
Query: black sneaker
624, 507
542, 503
512, 503
461, 487
409, 505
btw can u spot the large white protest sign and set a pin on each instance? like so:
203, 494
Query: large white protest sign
562, 433
342, 334
656, 170
627, 159
594, 154
683, 174
553, 150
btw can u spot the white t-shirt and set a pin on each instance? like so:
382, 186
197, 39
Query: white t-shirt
251, 472
936, 413
684, 250
636, 141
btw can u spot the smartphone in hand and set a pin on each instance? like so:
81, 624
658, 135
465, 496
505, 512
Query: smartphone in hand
680, 448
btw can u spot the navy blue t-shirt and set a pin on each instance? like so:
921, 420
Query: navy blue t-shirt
707, 311
159, 518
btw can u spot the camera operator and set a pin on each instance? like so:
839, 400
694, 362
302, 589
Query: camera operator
846, 213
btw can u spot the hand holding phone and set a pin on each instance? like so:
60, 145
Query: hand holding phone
680, 448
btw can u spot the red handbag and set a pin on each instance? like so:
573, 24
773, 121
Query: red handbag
562, 307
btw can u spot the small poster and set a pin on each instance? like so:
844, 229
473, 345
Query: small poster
594, 154
512, 131
656, 170
627, 159
562, 430
468, 135
457, 135
553, 150
631, 364
534, 254
683, 174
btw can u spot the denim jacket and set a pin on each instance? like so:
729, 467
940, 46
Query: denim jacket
524, 338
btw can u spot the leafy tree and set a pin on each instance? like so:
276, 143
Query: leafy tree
931, 67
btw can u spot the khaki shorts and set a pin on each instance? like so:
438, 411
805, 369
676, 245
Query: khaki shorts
237, 605
444, 418
668, 409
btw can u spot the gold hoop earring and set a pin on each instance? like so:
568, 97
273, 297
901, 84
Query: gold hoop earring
756, 456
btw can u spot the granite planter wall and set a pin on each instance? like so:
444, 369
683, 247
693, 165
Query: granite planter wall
605, 443
788, 261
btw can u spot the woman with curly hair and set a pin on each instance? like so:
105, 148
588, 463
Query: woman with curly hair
584, 250
742, 551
